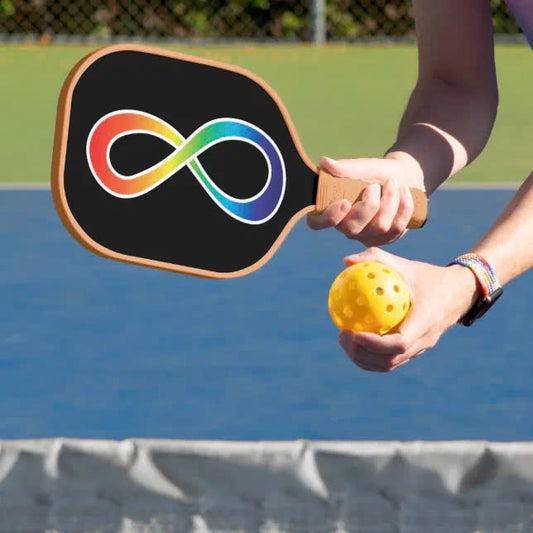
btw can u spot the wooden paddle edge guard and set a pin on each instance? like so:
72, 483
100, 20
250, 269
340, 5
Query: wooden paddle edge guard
332, 188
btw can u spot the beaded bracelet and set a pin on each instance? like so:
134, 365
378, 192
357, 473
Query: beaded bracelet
486, 278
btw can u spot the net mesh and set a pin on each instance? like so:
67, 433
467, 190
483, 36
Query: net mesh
165, 486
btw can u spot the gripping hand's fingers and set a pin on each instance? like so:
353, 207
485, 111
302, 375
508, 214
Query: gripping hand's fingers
398, 228
331, 217
383, 228
390, 202
385, 209
365, 169
362, 212
405, 211
390, 223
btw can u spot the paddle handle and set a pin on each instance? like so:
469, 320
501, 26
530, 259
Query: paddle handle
332, 188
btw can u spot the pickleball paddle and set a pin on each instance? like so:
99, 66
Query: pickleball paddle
182, 163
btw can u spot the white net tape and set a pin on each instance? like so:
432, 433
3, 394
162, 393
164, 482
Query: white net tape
158, 486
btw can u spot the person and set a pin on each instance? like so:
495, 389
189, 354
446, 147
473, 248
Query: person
446, 124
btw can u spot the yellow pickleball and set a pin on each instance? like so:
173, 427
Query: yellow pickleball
368, 297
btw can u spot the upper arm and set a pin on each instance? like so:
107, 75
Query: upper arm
455, 42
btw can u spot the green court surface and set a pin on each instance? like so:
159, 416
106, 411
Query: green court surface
345, 101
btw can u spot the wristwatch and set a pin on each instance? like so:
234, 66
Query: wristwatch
490, 287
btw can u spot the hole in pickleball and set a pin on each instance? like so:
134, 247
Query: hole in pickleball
386, 270
396, 288
379, 290
137, 152
390, 308
238, 168
370, 275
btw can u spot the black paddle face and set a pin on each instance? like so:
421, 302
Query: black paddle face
173, 161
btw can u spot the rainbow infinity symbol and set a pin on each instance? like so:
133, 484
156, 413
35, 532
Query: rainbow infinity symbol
255, 210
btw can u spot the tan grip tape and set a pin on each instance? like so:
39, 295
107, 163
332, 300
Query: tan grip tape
332, 188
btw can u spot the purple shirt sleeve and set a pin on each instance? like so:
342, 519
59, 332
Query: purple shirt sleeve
523, 12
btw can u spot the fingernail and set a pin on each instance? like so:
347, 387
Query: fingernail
328, 159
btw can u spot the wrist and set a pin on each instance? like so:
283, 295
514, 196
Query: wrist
465, 289
487, 283
413, 175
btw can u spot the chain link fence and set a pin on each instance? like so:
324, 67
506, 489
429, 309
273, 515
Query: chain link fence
258, 20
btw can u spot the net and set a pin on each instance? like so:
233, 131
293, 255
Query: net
163, 486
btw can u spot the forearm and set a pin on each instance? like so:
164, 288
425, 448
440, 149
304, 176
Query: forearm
444, 128
452, 109
508, 245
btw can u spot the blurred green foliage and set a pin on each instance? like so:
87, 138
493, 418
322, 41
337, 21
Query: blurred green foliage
252, 19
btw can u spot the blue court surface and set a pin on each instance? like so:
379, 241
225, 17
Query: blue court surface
97, 349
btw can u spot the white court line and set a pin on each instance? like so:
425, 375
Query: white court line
30, 186
480, 185
454, 185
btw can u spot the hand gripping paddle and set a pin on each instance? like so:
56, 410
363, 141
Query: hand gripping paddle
181, 163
